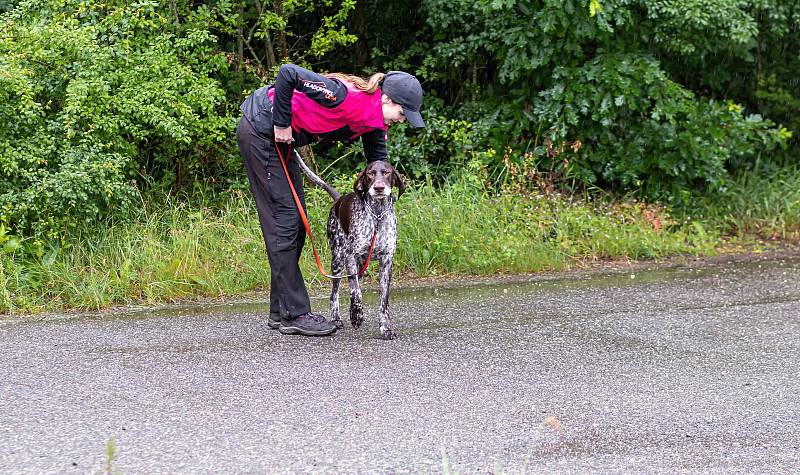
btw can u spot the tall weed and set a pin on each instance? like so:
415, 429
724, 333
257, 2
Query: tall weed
766, 205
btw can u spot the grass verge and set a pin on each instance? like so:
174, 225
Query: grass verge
176, 251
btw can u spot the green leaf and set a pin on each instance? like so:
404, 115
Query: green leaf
594, 7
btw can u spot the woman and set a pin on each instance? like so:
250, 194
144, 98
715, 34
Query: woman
305, 107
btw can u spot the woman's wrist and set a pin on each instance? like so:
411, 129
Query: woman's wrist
283, 134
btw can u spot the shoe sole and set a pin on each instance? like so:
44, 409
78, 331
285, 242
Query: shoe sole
272, 324
291, 330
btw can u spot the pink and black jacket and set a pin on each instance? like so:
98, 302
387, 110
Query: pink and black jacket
319, 109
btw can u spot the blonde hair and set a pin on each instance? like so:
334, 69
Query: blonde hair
366, 85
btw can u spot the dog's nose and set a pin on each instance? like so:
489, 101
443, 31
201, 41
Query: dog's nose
379, 188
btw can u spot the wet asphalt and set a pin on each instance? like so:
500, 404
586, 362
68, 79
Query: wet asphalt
672, 370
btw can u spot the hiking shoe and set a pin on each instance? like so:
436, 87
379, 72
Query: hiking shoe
308, 324
274, 321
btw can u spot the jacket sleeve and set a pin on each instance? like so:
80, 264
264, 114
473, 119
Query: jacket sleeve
375, 145
325, 91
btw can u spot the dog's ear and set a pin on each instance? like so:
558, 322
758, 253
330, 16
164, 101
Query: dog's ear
360, 184
398, 182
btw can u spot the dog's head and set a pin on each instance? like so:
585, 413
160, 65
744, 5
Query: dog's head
378, 179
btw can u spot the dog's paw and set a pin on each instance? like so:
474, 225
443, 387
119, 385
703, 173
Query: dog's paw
387, 334
338, 322
356, 316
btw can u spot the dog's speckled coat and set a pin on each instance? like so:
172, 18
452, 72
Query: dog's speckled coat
352, 222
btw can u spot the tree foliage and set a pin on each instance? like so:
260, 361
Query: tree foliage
94, 95
104, 100
592, 72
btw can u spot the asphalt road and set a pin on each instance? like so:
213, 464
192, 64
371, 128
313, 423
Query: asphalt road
687, 370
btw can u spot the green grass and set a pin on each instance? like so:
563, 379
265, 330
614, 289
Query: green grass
176, 251
766, 206
456, 230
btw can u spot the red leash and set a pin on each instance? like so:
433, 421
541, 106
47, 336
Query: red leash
308, 226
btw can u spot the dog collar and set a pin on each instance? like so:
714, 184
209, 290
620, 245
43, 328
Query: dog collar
378, 217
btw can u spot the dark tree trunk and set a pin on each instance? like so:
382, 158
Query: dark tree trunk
360, 30
283, 46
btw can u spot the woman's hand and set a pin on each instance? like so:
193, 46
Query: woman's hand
283, 134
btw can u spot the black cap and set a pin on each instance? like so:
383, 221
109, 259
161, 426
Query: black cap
404, 89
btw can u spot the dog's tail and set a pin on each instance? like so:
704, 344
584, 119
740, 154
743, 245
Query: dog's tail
314, 178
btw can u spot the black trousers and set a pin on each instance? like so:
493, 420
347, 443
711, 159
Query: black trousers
284, 234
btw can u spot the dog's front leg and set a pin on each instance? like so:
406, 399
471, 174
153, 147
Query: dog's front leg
386, 325
337, 269
356, 307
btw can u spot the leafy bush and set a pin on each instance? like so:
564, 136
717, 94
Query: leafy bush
441, 149
641, 130
93, 95
445, 146
587, 76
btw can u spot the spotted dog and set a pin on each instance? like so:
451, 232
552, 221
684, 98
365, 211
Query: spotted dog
352, 222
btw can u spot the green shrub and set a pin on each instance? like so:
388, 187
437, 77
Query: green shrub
550, 76
641, 131
94, 95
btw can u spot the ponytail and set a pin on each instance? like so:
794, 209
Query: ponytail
366, 85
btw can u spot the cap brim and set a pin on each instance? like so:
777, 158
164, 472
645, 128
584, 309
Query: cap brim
414, 118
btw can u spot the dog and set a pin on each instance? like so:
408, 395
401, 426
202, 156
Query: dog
353, 220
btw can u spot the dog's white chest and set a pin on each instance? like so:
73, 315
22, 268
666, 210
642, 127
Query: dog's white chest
385, 236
